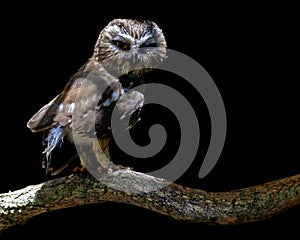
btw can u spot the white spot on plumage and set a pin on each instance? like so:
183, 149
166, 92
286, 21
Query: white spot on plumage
71, 108
114, 96
107, 102
94, 98
61, 106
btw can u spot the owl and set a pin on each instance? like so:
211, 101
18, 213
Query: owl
124, 52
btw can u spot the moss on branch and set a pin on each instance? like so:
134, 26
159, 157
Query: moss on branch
126, 186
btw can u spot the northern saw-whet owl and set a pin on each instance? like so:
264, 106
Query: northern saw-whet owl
126, 49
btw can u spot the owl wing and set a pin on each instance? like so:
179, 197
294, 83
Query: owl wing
126, 109
44, 118
86, 89
129, 106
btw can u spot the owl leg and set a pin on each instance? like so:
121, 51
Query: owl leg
101, 150
87, 157
94, 155
82, 167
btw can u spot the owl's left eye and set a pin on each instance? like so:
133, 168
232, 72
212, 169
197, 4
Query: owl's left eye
121, 45
149, 44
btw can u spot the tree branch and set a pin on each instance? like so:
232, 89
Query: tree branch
179, 202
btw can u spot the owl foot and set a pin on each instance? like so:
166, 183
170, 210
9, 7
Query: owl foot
79, 169
102, 170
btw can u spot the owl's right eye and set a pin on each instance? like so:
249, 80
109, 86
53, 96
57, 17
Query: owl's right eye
121, 45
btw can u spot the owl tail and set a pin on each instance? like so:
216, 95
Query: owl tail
54, 139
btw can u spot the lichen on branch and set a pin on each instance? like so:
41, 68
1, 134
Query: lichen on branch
126, 186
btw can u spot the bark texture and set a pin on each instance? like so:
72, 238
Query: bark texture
126, 186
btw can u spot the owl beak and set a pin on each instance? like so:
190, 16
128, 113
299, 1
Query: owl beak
135, 57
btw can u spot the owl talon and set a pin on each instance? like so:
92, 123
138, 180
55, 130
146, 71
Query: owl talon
109, 172
100, 169
79, 169
124, 168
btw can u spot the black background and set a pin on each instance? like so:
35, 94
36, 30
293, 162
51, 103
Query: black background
251, 52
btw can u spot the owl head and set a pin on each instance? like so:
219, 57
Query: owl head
130, 45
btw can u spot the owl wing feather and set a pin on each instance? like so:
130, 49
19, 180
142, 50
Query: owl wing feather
85, 93
94, 91
129, 106
44, 118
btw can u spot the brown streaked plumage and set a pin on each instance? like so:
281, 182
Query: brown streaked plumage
85, 105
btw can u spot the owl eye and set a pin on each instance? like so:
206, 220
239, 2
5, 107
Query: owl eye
121, 45
149, 44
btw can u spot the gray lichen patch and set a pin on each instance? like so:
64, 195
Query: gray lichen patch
17, 199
